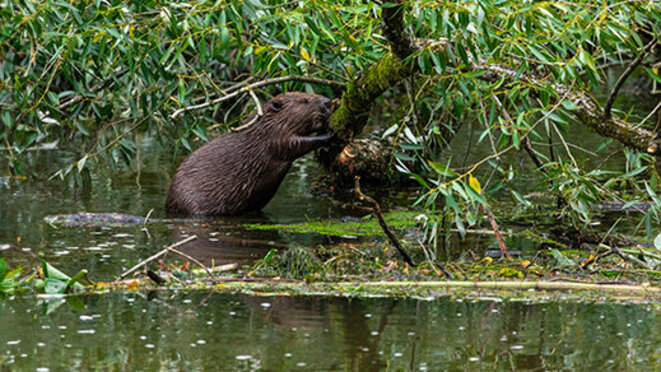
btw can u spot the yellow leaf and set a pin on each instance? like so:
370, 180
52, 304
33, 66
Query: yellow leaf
305, 54
474, 184
525, 263
508, 272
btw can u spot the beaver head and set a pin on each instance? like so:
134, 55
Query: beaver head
296, 120
298, 113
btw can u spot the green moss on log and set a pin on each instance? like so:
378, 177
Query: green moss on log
350, 118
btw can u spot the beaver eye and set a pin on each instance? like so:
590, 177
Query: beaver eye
276, 105
304, 100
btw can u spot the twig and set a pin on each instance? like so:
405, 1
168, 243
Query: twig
433, 264
147, 217
157, 255
198, 263
627, 257
564, 143
376, 211
654, 111
256, 85
259, 114
525, 143
494, 226
104, 84
156, 278
632, 66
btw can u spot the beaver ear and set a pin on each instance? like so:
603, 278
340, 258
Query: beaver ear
276, 105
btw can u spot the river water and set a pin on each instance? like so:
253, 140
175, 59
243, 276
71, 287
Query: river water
220, 332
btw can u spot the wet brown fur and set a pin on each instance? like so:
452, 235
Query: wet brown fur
241, 171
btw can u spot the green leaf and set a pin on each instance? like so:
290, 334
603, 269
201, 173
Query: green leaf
269, 255
54, 286
449, 201
4, 269
569, 105
420, 180
442, 169
561, 259
653, 74
634, 172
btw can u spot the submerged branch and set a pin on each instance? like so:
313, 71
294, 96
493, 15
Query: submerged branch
376, 211
518, 285
157, 255
194, 260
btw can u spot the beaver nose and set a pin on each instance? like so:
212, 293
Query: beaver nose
328, 103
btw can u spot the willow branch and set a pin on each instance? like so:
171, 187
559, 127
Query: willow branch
258, 115
104, 84
620, 81
587, 110
259, 84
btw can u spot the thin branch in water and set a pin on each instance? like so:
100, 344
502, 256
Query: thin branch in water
626, 257
152, 258
625, 75
433, 264
494, 226
198, 263
147, 217
376, 211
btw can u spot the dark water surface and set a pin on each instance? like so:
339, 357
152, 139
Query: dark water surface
197, 331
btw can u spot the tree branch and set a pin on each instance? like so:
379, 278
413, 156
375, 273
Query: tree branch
587, 112
259, 84
394, 30
632, 66
104, 84
376, 211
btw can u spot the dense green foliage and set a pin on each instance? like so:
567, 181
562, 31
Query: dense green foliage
107, 73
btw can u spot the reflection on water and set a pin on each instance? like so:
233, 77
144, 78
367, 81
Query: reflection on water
228, 332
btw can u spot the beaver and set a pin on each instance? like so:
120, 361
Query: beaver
241, 171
